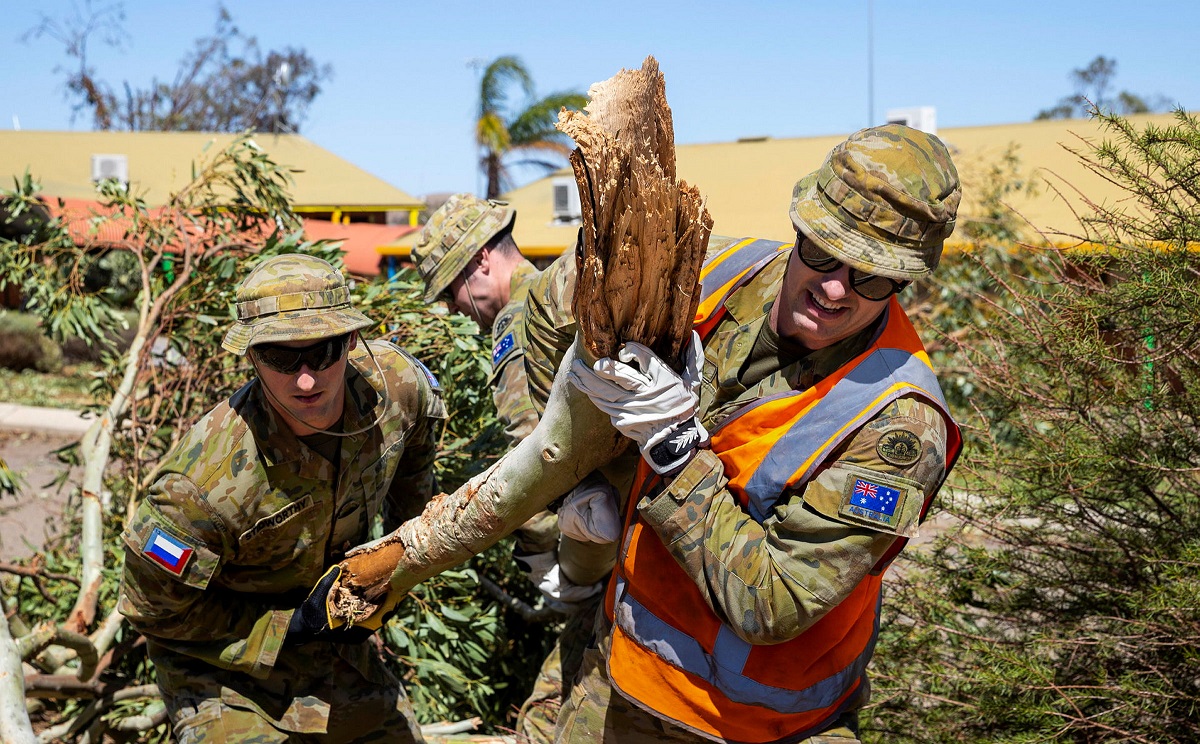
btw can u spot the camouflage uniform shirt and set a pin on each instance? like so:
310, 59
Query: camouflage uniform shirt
769, 582
513, 406
250, 518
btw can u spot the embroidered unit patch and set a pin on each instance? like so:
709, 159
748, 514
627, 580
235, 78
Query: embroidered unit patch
899, 447
168, 552
502, 349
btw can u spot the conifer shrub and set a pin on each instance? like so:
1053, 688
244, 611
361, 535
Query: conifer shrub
1065, 604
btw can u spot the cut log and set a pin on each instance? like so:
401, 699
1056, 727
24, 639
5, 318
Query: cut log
644, 237
644, 232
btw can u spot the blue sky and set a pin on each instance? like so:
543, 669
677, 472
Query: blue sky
401, 100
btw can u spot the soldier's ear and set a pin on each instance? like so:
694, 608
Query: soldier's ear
353, 342
484, 258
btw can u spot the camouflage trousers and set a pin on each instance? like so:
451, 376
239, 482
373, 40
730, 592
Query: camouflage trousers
368, 719
594, 712
539, 714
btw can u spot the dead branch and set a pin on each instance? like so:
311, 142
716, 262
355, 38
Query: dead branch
36, 573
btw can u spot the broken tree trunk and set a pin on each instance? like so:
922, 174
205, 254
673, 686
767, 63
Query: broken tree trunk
644, 237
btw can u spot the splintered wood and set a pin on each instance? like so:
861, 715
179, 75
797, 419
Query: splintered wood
644, 237
644, 232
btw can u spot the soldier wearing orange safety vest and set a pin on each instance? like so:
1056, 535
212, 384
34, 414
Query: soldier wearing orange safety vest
782, 470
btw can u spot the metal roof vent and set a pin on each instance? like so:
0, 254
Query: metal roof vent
917, 117
110, 166
566, 208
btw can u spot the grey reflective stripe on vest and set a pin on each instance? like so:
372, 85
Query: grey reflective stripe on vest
826, 424
742, 259
723, 668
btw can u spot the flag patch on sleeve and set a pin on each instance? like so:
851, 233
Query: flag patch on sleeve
169, 552
874, 496
501, 350
878, 500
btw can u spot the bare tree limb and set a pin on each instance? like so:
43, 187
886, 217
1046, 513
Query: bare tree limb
14, 721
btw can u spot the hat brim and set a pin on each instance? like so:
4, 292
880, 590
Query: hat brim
460, 254
299, 325
850, 246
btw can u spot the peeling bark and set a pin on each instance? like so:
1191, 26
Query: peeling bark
644, 237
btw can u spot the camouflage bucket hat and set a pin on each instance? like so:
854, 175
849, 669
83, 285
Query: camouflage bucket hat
453, 235
884, 201
292, 298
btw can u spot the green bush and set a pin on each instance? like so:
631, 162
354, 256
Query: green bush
1067, 606
24, 346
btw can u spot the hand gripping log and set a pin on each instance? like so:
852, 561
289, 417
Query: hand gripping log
643, 238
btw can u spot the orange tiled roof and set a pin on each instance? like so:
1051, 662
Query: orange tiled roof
359, 239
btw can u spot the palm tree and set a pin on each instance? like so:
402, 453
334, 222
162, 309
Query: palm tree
501, 131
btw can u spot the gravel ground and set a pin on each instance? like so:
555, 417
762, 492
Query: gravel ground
28, 518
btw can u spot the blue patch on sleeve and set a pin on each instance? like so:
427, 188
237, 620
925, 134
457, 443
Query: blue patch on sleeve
433, 381
502, 349
876, 497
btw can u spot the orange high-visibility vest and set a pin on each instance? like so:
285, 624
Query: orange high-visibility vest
669, 652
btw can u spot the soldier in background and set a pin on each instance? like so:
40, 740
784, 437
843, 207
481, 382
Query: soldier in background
228, 558
745, 603
467, 257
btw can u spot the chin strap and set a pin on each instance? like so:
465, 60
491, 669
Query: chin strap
478, 318
368, 427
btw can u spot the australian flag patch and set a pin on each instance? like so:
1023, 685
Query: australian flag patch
169, 552
872, 501
502, 349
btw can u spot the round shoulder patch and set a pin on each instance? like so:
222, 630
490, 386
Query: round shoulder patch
899, 447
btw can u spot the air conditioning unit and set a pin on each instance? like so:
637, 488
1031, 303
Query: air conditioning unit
566, 199
917, 117
110, 166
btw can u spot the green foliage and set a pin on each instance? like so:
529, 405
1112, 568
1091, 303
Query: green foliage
10, 482
465, 655
70, 387
115, 272
461, 653
1067, 607
458, 355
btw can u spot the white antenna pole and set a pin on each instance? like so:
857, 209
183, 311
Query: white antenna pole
870, 63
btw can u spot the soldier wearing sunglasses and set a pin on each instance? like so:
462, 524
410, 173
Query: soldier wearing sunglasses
784, 468
230, 557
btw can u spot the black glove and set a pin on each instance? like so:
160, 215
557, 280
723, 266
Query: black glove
311, 620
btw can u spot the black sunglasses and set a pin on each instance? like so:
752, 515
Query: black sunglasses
288, 359
867, 286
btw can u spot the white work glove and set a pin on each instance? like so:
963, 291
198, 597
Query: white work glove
589, 512
542, 569
648, 402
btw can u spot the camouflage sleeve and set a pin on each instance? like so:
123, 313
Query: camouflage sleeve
414, 484
773, 580
549, 327
174, 549
511, 396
